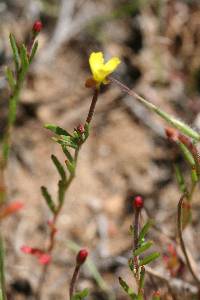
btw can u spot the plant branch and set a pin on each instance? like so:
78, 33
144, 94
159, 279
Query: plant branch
184, 128
51, 239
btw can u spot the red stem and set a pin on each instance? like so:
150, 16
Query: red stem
73, 281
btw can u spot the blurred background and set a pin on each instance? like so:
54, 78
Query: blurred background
127, 153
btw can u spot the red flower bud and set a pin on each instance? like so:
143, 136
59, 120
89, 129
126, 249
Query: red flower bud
44, 259
138, 202
11, 209
27, 249
37, 27
81, 256
80, 128
171, 133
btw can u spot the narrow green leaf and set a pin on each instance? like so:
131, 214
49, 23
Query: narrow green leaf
10, 78
2, 271
15, 51
59, 167
184, 128
145, 246
149, 259
70, 166
24, 58
142, 276
57, 130
73, 140
66, 142
127, 289
80, 295
187, 154
48, 199
180, 179
131, 264
61, 191
67, 153
33, 52
145, 230
194, 176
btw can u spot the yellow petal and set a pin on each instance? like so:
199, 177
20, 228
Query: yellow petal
111, 65
100, 74
96, 61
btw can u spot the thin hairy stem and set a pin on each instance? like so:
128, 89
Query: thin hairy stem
92, 106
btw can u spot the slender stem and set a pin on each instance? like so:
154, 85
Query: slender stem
136, 227
135, 244
13, 101
92, 106
183, 247
51, 240
73, 281
187, 130
12, 110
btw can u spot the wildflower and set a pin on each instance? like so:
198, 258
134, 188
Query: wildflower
11, 209
37, 27
138, 202
81, 256
101, 70
43, 257
26, 249
171, 133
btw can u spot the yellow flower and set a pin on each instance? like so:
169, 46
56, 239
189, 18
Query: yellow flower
101, 70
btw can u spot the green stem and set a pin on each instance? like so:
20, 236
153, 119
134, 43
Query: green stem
184, 128
135, 244
68, 183
12, 111
51, 241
